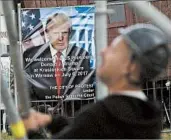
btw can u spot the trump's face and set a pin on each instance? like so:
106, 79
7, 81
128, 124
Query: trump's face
59, 36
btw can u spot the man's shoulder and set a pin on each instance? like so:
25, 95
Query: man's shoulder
31, 51
120, 104
119, 99
94, 108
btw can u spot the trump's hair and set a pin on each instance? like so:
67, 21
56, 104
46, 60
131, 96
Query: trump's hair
58, 19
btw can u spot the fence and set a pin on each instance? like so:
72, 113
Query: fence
64, 108
160, 90
54, 107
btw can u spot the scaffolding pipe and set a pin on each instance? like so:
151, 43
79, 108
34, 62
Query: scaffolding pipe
16, 124
151, 13
10, 17
19, 31
154, 91
100, 42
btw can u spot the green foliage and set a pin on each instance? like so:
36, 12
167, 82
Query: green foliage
166, 136
5, 136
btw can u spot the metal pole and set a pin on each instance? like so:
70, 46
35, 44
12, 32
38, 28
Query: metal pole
9, 12
100, 42
19, 31
19, 22
150, 12
154, 91
17, 126
15, 93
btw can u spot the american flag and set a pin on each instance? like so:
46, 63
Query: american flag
31, 28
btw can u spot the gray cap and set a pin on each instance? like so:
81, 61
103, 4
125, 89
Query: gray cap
149, 46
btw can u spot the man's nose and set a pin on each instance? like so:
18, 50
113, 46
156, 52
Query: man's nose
60, 36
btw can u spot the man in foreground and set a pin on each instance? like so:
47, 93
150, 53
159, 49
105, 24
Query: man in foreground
141, 51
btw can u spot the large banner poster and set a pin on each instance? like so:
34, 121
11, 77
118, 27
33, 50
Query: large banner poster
59, 52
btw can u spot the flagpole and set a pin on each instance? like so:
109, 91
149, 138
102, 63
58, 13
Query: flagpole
100, 42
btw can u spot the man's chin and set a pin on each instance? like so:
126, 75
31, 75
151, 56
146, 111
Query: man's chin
100, 74
100, 70
103, 79
60, 48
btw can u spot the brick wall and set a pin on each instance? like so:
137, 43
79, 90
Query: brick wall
54, 3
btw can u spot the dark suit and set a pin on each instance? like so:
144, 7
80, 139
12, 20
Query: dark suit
116, 117
46, 86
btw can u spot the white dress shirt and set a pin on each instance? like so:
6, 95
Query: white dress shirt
135, 94
54, 52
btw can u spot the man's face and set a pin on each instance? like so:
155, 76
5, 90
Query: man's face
59, 36
114, 61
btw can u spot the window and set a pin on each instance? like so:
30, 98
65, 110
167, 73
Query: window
118, 18
119, 13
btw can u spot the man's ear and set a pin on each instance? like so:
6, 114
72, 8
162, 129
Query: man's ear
46, 32
132, 71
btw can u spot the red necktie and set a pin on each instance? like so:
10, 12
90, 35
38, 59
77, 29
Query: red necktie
58, 71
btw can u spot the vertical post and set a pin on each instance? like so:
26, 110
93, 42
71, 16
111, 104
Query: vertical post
19, 31
100, 42
20, 50
16, 124
15, 93
4, 116
19, 22
154, 91
10, 16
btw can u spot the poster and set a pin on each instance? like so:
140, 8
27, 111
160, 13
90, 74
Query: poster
59, 52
